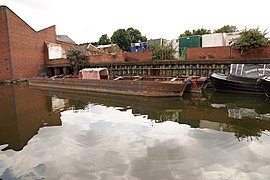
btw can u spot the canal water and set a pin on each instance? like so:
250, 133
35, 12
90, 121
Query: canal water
45, 134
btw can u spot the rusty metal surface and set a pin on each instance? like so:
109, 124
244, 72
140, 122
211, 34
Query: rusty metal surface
128, 87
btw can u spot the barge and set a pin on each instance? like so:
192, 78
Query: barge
98, 80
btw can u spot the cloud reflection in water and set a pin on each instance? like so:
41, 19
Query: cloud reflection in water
106, 143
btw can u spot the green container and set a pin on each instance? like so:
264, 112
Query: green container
189, 42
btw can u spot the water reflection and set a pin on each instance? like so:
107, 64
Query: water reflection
22, 113
102, 136
246, 116
249, 115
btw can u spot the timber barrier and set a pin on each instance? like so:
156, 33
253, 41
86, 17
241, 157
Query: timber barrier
176, 68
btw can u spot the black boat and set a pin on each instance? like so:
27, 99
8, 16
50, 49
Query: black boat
266, 86
243, 78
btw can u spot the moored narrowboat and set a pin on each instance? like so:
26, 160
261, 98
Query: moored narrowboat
243, 78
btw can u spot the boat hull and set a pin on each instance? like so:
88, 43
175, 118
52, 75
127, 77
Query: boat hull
127, 87
236, 84
266, 86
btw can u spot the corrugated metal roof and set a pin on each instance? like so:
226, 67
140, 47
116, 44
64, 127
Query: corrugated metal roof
64, 38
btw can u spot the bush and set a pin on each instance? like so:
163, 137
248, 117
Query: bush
162, 52
77, 59
252, 38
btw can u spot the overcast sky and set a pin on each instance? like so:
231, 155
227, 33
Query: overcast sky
85, 20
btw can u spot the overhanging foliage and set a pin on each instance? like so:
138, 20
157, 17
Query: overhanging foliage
252, 38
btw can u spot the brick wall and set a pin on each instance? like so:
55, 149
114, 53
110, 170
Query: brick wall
92, 59
262, 52
138, 56
106, 58
58, 62
222, 52
4, 48
26, 46
225, 52
121, 57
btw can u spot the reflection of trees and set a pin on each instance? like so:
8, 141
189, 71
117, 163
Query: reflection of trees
178, 116
78, 104
246, 129
160, 117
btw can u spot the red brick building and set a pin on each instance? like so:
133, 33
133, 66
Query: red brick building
21, 47
24, 51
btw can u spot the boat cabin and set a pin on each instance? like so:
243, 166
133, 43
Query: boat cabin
250, 70
94, 73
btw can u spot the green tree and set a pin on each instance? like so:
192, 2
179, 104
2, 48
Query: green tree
252, 38
186, 33
136, 35
201, 31
226, 29
122, 38
144, 39
94, 43
77, 59
195, 32
162, 52
104, 40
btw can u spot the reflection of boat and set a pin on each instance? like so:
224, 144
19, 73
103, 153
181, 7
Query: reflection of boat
196, 103
198, 84
242, 113
243, 78
98, 80
233, 101
139, 103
